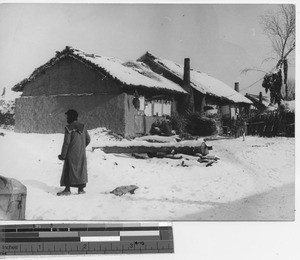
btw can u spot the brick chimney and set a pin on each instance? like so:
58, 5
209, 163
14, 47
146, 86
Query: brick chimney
237, 86
187, 102
186, 75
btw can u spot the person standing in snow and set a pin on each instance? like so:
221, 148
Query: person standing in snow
243, 128
73, 154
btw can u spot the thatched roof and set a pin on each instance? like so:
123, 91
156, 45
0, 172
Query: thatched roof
129, 74
200, 81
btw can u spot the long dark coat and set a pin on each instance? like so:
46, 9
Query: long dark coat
74, 172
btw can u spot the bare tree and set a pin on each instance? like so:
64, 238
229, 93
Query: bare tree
280, 27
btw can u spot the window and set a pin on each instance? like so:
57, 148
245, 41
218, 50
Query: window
225, 111
148, 108
166, 108
142, 103
157, 108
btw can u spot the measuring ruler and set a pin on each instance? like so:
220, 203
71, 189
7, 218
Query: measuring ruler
59, 239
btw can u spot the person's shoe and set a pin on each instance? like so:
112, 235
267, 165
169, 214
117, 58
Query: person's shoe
81, 191
64, 193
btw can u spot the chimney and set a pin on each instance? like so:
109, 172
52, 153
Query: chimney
187, 102
186, 75
237, 86
260, 97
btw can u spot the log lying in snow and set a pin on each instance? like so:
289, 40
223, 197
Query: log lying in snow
182, 147
140, 156
164, 155
157, 155
158, 139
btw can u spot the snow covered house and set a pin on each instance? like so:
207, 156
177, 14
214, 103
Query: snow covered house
209, 94
125, 97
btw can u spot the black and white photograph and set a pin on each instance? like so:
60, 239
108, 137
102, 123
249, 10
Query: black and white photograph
147, 112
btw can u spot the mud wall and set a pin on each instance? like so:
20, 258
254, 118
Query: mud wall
71, 76
47, 114
130, 112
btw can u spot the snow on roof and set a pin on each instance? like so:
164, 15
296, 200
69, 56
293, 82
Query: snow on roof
202, 81
131, 74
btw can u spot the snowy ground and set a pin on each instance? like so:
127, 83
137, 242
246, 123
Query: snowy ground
254, 180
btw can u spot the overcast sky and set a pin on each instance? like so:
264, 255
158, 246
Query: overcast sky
219, 39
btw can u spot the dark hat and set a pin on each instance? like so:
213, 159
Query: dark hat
72, 114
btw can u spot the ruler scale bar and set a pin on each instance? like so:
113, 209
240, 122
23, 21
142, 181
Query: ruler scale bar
94, 238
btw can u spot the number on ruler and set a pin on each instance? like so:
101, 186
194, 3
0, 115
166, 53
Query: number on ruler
84, 247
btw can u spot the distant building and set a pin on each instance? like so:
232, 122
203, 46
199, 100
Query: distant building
208, 94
